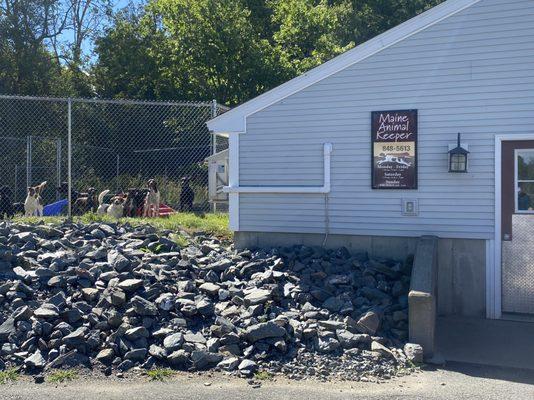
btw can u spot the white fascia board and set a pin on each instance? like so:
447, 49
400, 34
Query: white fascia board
235, 120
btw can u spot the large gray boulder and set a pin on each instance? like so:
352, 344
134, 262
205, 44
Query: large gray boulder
368, 323
143, 307
173, 342
36, 360
263, 331
204, 359
6, 329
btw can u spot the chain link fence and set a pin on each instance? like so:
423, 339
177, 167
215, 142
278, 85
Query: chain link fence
115, 145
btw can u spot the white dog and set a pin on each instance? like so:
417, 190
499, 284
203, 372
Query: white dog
34, 202
115, 209
102, 207
152, 200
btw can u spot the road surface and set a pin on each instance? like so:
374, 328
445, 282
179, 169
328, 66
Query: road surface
456, 382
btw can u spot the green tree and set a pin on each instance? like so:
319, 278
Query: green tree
212, 49
309, 32
261, 17
36, 57
232, 50
26, 27
368, 18
126, 66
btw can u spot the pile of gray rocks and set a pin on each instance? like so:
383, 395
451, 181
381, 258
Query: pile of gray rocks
117, 297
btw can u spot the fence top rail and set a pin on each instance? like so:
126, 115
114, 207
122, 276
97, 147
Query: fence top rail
114, 101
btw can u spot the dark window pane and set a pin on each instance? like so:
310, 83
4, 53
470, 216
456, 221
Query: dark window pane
525, 196
525, 166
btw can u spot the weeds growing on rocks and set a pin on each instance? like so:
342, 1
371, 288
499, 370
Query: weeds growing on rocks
160, 374
263, 376
63, 376
9, 375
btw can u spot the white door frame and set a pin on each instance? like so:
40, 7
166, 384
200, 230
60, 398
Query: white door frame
493, 276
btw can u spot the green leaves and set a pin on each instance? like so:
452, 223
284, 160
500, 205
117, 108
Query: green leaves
309, 32
230, 50
233, 50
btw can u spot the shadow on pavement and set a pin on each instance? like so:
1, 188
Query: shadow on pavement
517, 375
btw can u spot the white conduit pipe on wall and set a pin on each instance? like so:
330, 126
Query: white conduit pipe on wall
325, 189
327, 150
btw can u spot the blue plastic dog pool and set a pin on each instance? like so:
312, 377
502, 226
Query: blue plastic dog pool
54, 209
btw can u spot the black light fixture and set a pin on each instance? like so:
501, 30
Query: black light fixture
458, 158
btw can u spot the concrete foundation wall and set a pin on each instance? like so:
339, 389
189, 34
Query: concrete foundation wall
380, 246
462, 277
461, 262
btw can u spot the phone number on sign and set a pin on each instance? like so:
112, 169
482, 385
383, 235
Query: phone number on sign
397, 148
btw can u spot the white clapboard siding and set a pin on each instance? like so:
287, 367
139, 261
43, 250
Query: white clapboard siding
471, 73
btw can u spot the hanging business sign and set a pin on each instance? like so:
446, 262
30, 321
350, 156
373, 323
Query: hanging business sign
394, 147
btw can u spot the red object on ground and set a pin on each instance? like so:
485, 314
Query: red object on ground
165, 210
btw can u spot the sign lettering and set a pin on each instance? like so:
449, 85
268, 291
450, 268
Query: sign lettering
394, 149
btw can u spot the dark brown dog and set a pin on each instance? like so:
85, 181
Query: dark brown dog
86, 202
129, 203
6, 203
63, 190
187, 196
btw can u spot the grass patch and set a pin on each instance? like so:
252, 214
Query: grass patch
213, 224
63, 376
414, 365
263, 376
9, 375
180, 240
156, 250
160, 374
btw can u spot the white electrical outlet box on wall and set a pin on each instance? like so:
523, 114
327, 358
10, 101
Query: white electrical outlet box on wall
410, 207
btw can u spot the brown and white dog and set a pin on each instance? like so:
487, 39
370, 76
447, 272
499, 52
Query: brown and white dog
114, 209
34, 202
152, 200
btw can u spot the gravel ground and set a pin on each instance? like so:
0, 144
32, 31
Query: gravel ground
457, 381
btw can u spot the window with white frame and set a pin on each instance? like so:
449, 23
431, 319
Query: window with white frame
524, 179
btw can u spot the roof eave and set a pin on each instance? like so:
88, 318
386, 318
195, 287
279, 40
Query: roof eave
235, 120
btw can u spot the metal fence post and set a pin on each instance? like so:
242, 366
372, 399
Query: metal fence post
28, 161
16, 182
214, 146
213, 135
117, 172
69, 159
58, 166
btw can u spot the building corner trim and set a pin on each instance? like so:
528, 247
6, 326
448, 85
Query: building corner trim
233, 198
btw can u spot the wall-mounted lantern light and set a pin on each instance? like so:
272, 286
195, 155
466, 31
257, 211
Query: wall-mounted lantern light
458, 157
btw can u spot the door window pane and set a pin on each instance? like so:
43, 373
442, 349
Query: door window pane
525, 196
525, 165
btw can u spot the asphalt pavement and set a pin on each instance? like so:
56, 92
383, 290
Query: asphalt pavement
456, 381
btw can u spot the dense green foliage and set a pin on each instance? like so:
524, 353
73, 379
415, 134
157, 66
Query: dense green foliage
230, 50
